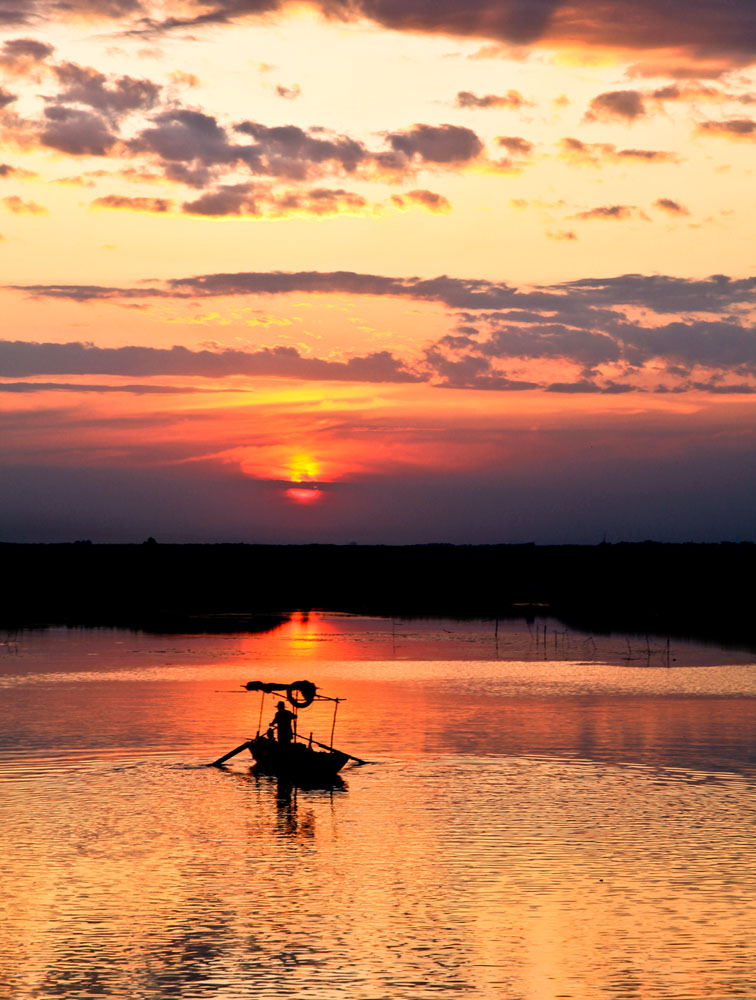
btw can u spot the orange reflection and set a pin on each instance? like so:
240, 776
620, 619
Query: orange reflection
302, 634
304, 494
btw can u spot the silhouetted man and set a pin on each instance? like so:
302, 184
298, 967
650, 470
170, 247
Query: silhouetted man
282, 720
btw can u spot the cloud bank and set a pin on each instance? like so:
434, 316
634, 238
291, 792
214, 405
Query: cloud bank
701, 26
694, 335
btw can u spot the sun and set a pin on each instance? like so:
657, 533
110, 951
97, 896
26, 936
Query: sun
304, 471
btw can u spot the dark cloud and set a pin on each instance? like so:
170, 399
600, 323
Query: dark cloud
583, 385
624, 105
512, 99
709, 343
733, 128
138, 204
741, 388
6, 98
693, 91
22, 56
646, 155
90, 293
659, 293
101, 8
78, 387
193, 145
696, 91
664, 293
587, 348
519, 21
195, 149
711, 65
670, 92
115, 96
514, 145
671, 206
257, 201
288, 93
580, 153
717, 32
612, 212
454, 292
607, 387
473, 373
80, 133
13, 12
684, 351
590, 324
646, 24
426, 199
437, 144
319, 201
187, 137
20, 359
705, 28
232, 199
288, 151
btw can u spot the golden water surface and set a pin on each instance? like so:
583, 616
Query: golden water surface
570, 822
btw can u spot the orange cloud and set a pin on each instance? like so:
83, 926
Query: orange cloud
425, 199
20, 207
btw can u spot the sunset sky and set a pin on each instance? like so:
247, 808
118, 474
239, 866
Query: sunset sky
377, 271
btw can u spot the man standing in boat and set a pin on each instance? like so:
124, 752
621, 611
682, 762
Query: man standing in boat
283, 720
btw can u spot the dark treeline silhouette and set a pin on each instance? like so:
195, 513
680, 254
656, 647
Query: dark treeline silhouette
696, 590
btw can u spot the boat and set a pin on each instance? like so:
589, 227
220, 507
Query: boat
296, 761
281, 751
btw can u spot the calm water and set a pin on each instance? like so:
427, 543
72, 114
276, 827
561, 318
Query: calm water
545, 817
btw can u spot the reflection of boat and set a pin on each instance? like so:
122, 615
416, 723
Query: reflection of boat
280, 751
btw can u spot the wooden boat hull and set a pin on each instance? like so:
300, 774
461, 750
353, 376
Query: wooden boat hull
295, 761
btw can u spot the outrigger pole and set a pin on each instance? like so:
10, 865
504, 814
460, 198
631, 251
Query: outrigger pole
245, 746
229, 755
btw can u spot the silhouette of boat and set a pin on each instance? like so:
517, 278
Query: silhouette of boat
295, 761
286, 754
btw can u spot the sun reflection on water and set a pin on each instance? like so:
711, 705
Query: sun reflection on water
529, 829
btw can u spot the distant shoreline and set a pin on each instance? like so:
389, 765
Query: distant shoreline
699, 591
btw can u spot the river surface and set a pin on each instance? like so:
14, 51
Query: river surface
544, 815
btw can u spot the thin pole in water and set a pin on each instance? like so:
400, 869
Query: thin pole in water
333, 724
259, 721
